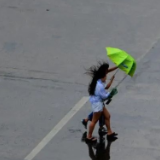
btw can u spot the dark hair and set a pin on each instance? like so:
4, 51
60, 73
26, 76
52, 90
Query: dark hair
96, 72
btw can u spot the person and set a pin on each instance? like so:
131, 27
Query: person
98, 93
101, 130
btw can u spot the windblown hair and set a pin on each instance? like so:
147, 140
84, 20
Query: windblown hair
96, 72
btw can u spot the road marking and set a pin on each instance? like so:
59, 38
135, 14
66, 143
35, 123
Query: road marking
57, 128
142, 56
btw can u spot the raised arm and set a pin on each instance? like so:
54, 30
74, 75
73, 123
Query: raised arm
112, 69
110, 83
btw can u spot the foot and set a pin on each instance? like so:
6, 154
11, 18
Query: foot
116, 134
91, 140
84, 135
84, 122
102, 131
111, 136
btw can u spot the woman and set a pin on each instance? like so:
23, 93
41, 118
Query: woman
101, 130
98, 93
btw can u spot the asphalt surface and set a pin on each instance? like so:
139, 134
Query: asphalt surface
44, 48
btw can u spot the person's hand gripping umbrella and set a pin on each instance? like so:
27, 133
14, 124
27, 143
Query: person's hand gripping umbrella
124, 62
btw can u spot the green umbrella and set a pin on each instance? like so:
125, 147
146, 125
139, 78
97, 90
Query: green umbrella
122, 59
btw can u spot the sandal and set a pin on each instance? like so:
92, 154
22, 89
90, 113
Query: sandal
91, 140
116, 134
111, 137
113, 134
84, 123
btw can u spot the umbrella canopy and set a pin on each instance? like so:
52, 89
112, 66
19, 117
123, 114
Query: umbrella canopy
122, 59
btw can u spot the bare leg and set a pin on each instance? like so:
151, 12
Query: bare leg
107, 120
96, 116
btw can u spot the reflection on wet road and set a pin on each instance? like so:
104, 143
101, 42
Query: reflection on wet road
99, 150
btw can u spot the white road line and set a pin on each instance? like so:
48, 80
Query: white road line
57, 128
142, 56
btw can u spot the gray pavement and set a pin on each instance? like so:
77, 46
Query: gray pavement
135, 116
42, 59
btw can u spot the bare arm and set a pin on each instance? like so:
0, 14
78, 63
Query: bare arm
112, 69
110, 83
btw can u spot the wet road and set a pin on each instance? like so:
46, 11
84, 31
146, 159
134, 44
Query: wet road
45, 46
